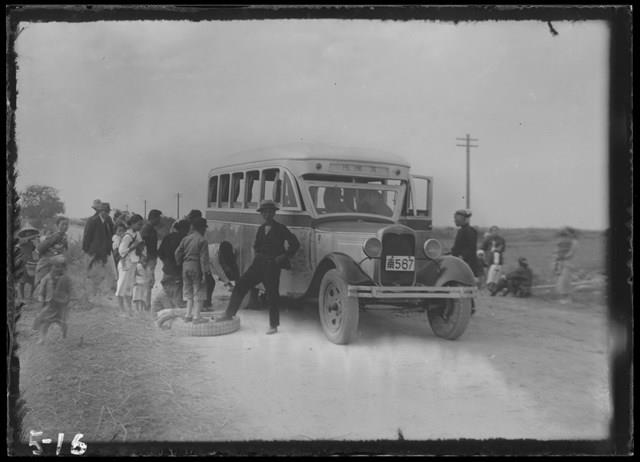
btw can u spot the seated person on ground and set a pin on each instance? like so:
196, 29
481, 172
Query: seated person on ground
518, 282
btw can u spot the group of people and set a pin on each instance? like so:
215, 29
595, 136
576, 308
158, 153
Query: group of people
487, 261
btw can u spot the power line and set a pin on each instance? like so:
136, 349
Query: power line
468, 140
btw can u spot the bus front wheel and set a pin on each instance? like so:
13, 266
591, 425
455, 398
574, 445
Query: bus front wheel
339, 313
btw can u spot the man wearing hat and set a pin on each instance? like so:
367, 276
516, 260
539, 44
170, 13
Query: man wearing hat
270, 258
96, 243
466, 241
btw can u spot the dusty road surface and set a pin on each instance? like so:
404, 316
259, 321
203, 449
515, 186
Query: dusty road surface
524, 369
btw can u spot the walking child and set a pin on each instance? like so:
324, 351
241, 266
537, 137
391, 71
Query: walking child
54, 292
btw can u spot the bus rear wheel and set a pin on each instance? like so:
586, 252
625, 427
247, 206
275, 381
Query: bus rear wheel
339, 313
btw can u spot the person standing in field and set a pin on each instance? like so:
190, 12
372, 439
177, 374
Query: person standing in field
562, 262
96, 243
140, 279
131, 241
193, 255
493, 246
55, 244
54, 292
270, 258
466, 241
150, 237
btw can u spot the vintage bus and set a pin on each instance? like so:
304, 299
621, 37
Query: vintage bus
363, 221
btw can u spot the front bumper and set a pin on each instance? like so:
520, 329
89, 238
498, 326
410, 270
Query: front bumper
417, 292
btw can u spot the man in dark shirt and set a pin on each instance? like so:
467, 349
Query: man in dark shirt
149, 235
466, 241
270, 257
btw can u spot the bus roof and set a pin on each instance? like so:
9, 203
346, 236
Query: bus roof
308, 151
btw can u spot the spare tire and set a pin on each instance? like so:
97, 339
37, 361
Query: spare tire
205, 329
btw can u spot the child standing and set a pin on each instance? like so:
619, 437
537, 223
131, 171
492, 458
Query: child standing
139, 284
54, 292
193, 255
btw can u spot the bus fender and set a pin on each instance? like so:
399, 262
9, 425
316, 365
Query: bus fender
454, 269
345, 265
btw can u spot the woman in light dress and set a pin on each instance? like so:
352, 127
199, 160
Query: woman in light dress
131, 241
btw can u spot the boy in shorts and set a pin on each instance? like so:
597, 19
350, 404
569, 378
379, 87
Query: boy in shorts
193, 255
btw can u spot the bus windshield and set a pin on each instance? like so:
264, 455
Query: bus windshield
369, 199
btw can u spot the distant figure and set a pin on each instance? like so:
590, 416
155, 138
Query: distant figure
466, 241
149, 235
193, 255
131, 241
518, 282
55, 244
333, 202
26, 260
493, 246
54, 292
562, 262
210, 282
96, 243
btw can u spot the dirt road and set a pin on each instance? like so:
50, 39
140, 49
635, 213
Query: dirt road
524, 369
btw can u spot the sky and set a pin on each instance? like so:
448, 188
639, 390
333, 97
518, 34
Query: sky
128, 111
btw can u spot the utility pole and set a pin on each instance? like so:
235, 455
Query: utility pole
145, 209
178, 206
468, 140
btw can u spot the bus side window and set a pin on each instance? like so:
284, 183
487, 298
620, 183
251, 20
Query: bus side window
237, 190
269, 180
213, 191
253, 189
224, 190
288, 194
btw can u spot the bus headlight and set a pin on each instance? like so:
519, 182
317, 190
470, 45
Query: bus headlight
372, 247
432, 248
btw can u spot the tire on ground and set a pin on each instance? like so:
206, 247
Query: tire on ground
205, 329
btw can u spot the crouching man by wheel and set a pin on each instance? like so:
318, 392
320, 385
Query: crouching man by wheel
270, 258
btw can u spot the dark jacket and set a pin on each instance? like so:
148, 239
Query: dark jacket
96, 240
271, 245
150, 238
166, 253
465, 247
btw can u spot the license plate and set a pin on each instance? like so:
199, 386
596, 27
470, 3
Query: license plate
396, 263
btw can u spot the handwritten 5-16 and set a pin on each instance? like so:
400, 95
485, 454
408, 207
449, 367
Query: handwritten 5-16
77, 447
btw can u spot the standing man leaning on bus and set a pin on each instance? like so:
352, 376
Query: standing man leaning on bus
270, 257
